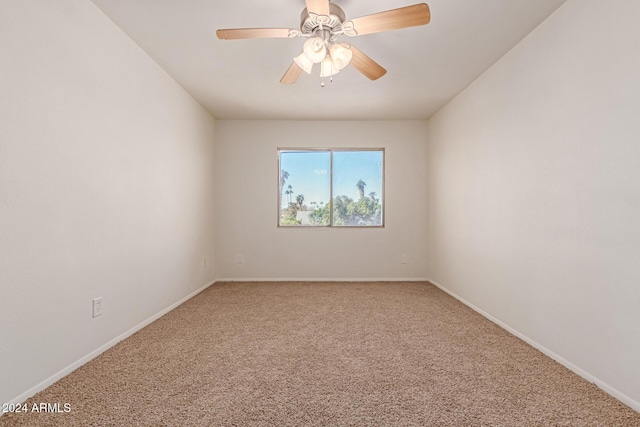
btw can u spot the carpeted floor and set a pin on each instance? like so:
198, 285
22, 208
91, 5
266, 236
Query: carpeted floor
325, 354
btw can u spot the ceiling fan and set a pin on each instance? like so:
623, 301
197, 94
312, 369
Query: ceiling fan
323, 23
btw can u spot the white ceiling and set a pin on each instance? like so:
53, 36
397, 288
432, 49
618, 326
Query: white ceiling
239, 79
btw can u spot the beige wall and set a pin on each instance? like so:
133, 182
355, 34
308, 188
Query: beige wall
106, 189
534, 192
247, 189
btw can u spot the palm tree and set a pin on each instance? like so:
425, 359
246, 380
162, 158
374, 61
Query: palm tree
372, 195
289, 192
361, 184
300, 200
284, 175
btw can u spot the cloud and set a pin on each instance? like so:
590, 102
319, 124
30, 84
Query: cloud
319, 171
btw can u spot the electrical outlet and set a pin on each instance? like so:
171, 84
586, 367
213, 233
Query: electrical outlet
97, 307
403, 259
239, 259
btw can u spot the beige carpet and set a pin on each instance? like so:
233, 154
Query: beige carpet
318, 354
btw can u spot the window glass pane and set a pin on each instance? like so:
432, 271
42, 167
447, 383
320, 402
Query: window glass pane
357, 188
305, 188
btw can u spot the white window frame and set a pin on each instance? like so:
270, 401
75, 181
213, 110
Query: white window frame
331, 151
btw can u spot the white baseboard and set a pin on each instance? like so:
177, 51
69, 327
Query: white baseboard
75, 365
325, 279
584, 374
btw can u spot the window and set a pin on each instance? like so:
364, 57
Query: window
331, 187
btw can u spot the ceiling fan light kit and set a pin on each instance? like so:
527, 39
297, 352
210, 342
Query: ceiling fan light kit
323, 23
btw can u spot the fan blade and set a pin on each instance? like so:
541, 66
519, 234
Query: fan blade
319, 7
395, 19
292, 74
367, 66
254, 33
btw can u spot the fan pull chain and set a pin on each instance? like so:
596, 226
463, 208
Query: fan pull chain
331, 76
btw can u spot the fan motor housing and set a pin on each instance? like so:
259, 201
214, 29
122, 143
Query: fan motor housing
310, 22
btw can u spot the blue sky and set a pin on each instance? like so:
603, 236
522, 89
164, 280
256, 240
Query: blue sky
309, 174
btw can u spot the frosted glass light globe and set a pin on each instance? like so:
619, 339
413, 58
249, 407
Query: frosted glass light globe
315, 50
